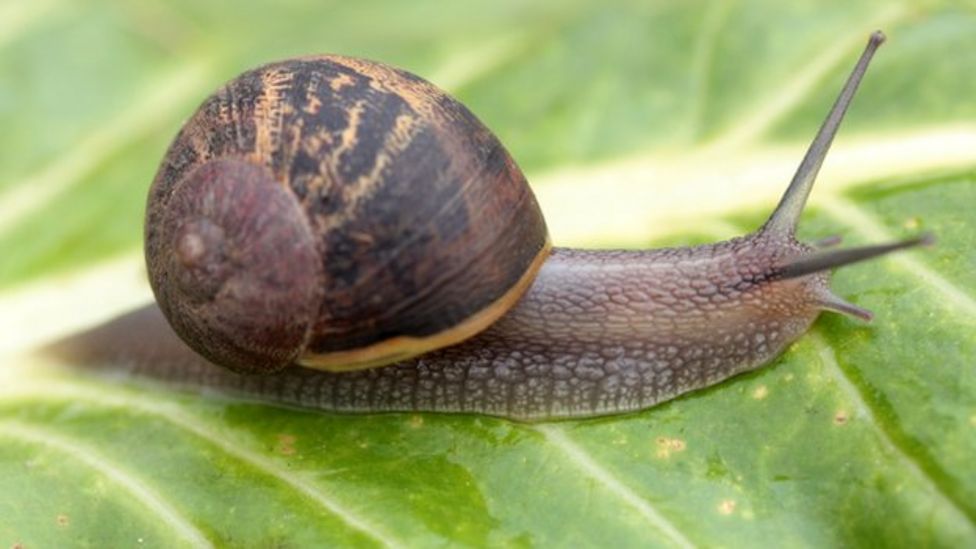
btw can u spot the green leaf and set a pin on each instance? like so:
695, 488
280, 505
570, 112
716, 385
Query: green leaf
639, 124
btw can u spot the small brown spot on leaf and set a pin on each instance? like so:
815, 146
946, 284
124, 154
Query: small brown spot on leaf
726, 507
286, 445
760, 392
666, 446
63, 520
417, 421
17, 546
841, 417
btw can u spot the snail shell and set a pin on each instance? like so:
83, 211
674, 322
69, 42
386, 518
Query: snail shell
338, 213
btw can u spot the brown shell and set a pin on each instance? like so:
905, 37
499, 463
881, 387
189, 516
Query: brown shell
426, 229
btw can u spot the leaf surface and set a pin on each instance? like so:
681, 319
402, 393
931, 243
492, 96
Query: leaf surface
639, 124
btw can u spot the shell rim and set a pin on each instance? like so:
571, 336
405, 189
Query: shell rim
400, 348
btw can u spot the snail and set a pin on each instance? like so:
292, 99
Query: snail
357, 237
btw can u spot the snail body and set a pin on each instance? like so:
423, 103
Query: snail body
344, 215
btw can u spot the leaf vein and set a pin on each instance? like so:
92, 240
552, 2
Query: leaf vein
168, 93
783, 99
195, 425
125, 479
864, 408
702, 66
582, 460
850, 214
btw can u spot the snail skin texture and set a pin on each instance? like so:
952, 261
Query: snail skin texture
341, 214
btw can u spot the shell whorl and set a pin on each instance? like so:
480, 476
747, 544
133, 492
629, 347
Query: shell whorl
424, 229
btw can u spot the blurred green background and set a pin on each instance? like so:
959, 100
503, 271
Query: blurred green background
91, 92
638, 123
